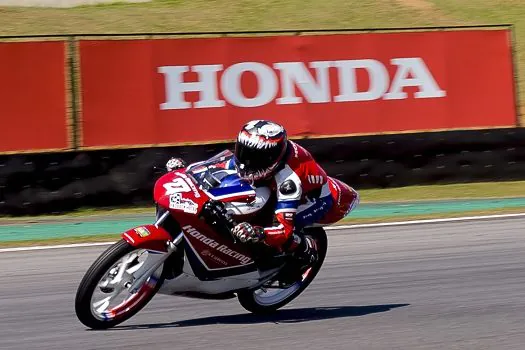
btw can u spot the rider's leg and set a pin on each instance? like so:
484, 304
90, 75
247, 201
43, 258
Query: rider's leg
301, 244
336, 201
345, 199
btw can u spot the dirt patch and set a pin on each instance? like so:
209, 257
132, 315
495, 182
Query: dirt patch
417, 4
432, 12
60, 3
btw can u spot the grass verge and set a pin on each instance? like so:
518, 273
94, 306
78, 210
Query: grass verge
351, 221
109, 237
481, 190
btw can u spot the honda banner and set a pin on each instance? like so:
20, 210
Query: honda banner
173, 91
33, 104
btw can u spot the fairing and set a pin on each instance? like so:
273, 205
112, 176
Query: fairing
187, 189
212, 262
148, 237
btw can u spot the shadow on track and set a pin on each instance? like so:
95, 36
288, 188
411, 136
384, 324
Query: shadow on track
282, 316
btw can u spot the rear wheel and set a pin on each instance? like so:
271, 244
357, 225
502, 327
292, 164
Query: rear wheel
272, 296
104, 298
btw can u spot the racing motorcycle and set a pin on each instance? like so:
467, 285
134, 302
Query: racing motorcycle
190, 251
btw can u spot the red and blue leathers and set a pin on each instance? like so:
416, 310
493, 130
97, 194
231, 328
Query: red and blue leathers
306, 195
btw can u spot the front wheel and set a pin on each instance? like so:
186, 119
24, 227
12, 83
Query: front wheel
103, 297
271, 297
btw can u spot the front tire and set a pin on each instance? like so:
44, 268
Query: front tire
255, 302
98, 315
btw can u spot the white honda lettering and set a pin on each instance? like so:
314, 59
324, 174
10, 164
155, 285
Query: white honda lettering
213, 244
421, 78
199, 236
243, 258
295, 74
377, 74
176, 87
266, 81
296, 77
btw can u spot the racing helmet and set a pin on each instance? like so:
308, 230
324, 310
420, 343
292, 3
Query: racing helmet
260, 147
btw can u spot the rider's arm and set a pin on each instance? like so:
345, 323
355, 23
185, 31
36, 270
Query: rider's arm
289, 191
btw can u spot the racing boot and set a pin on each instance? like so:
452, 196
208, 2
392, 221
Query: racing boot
305, 255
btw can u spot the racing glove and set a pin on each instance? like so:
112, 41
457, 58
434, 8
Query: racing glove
247, 233
175, 163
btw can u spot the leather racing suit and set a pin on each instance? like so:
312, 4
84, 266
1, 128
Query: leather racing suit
305, 196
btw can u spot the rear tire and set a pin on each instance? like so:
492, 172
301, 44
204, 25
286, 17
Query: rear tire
83, 300
250, 301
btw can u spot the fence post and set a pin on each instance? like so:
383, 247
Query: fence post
72, 62
515, 74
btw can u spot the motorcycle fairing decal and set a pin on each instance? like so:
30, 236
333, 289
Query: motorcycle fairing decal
214, 257
215, 251
224, 192
247, 195
204, 273
232, 196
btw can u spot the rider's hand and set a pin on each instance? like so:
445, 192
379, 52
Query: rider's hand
247, 233
175, 163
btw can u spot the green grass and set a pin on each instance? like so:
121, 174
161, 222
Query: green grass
444, 192
209, 15
225, 15
351, 221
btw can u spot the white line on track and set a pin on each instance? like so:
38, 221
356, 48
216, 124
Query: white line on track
331, 228
46, 247
427, 221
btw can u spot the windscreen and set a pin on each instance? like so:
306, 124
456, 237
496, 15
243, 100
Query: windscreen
210, 173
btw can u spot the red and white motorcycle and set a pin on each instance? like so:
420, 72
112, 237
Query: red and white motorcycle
190, 251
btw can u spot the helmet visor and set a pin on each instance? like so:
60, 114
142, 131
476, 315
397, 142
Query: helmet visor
250, 160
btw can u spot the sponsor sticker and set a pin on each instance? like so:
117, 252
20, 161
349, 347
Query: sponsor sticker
186, 205
288, 215
142, 232
215, 258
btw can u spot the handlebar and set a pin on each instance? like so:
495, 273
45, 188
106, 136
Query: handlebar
215, 214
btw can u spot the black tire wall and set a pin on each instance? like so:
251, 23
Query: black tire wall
59, 182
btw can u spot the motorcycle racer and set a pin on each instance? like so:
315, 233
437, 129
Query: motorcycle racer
306, 195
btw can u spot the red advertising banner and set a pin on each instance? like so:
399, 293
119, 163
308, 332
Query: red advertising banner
33, 107
172, 91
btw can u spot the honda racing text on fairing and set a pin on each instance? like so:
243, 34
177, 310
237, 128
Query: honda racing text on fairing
215, 245
410, 72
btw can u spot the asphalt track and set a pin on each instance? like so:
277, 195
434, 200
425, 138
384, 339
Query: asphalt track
435, 286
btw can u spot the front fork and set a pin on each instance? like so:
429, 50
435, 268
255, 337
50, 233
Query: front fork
156, 259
